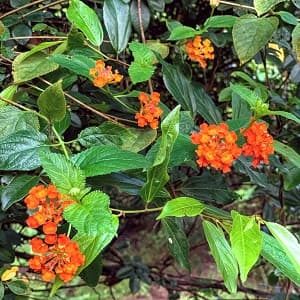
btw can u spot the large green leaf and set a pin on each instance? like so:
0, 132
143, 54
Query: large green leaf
141, 69
13, 119
79, 64
135, 17
289, 153
116, 15
182, 206
251, 34
222, 254
183, 32
288, 243
108, 133
91, 216
17, 189
208, 187
100, 160
34, 66
68, 178
85, 19
263, 6
157, 174
52, 102
224, 21
189, 94
246, 242
273, 252
284, 114
296, 41
177, 242
19, 150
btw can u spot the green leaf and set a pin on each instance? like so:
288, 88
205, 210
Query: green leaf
108, 133
224, 21
134, 16
19, 151
189, 94
13, 119
177, 242
156, 46
263, 6
182, 32
34, 66
158, 5
273, 252
91, 274
100, 160
251, 34
246, 242
287, 17
245, 94
296, 41
288, 243
91, 216
17, 189
240, 108
68, 178
85, 19
21, 30
157, 174
18, 287
222, 254
8, 94
52, 102
208, 187
291, 179
141, 69
284, 114
79, 64
116, 15
33, 63
289, 153
180, 207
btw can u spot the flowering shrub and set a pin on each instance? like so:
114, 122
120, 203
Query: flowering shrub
133, 145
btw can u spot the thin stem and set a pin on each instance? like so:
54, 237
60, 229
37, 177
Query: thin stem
20, 8
61, 142
139, 3
237, 5
43, 7
138, 211
69, 230
53, 37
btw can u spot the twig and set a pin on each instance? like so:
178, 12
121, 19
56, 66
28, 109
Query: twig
43, 7
20, 8
237, 5
53, 37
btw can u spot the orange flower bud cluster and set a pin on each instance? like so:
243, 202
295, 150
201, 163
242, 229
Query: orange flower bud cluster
149, 112
103, 75
58, 255
259, 143
47, 205
216, 146
200, 50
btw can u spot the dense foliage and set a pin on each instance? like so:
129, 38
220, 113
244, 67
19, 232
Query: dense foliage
150, 142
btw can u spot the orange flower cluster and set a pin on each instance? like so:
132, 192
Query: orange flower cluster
103, 75
259, 143
58, 255
216, 146
200, 50
149, 112
47, 205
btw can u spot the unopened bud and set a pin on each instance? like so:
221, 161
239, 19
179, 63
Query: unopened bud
214, 3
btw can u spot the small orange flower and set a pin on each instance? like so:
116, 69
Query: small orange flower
47, 205
62, 258
259, 143
200, 50
103, 75
216, 146
150, 112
